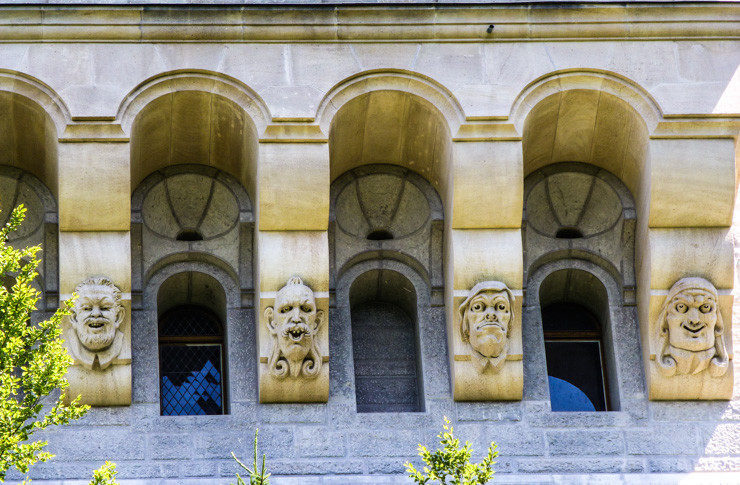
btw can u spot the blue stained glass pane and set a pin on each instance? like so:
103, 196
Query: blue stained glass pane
564, 396
191, 380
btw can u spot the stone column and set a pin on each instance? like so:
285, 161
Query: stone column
483, 254
95, 261
685, 268
292, 271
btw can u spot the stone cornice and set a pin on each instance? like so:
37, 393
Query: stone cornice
370, 23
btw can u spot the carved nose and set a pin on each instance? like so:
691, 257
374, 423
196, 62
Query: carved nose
693, 315
491, 316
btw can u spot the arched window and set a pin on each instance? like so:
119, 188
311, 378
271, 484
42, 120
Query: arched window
191, 361
191, 345
575, 358
578, 345
385, 343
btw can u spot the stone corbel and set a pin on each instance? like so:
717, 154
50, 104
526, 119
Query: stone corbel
690, 355
294, 359
98, 338
487, 343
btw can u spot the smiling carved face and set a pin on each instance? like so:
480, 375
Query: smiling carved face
691, 318
96, 317
488, 316
295, 321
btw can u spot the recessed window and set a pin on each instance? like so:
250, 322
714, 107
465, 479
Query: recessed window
380, 235
191, 362
188, 235
575, 361
569, 233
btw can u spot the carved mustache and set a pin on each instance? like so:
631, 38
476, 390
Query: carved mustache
296, 332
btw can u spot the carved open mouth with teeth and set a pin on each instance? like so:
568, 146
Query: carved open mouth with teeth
95, 324
296, 332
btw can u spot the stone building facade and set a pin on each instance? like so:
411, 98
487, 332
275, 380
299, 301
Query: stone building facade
365, 217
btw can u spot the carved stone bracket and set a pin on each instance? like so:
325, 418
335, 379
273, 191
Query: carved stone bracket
487, 358
98, 338
296, 369
689, 357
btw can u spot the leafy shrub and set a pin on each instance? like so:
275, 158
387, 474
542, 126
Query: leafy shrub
105, 475
453, 463
33, 362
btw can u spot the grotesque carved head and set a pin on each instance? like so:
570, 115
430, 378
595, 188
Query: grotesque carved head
691, 331
485, 322
97, 313
293, 324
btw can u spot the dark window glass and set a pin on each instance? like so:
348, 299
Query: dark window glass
575, 364
190, 357
384, 348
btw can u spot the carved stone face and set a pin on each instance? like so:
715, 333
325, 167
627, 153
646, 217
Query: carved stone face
295, 321
96, 316
488, 316
691, 317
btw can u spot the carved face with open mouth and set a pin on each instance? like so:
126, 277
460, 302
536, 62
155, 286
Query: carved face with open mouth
691, 318
295, 321
488, 317
96, 317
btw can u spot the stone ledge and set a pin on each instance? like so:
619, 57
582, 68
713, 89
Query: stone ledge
120, 21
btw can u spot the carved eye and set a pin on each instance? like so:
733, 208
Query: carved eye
682, 308
477, 307
705, 308
501, 307
285, 309
306, 308
86, 308
104, 308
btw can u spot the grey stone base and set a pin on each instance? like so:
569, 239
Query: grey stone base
697, 478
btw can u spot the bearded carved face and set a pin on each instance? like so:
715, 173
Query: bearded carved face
96, 316
691, 317
487, 318
294, 323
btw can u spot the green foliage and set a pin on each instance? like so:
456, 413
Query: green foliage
254, 478
453, 463
33, 361
105, 475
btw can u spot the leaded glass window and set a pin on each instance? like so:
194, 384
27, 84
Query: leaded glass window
191, 362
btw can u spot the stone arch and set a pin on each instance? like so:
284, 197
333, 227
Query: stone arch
587, 116
391, 117
176, 118
34, 117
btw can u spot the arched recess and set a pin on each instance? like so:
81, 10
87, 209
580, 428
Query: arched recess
194, 117
593, 117
33, 118
191, 213
391, 117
